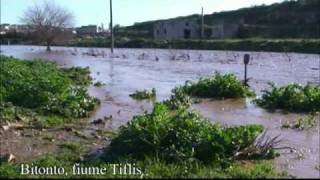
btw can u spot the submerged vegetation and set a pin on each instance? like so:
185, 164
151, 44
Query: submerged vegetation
218, 86
303, 122
98, 84
43, 92
141, 95
294, 98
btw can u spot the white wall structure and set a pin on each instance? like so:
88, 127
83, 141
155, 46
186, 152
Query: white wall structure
177, 29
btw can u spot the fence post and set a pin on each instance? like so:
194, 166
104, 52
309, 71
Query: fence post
246, 61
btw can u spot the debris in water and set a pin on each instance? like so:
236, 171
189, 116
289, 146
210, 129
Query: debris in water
108, 118
5, 127
80, 134
98, 121
8, 157
11, 158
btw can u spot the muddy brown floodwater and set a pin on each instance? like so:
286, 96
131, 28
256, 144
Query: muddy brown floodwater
129, 70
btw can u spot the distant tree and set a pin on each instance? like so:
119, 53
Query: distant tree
116, 28
49, 22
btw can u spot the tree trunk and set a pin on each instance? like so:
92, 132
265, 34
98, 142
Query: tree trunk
48, 46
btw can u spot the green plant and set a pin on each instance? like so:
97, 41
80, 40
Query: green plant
177, 136
293, 97
303, 123
44, 89
178, 99
151, 167
286, 125
79, 76
218, 86
140, 95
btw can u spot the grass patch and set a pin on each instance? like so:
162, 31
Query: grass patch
218, 86
68, 155
38, 89
155, 168
151, 168
249, 44
141, 95
71, 153
293, 98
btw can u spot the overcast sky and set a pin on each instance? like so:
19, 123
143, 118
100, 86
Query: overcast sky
127, 12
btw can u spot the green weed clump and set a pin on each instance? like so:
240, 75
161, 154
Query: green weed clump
141, 95
79, 76
218, 86
294, 98
178, 99
303, 123
43, 88
179, 136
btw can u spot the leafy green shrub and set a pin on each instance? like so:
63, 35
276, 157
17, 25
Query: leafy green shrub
43, 87
177, 136
140, 95
218, 86
178, 99
293, 97
79, 76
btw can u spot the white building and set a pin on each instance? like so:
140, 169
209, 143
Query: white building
177, 29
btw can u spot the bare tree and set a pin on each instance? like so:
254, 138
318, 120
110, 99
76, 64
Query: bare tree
49, 22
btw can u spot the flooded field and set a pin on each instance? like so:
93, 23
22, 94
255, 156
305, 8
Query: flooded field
129, 70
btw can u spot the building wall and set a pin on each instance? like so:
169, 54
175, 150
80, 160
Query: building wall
230, 30
87, 30
222, 30
177, 29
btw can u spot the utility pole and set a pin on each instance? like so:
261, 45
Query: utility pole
111, 27
202, 24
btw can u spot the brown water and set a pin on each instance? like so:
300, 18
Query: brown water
137, 69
